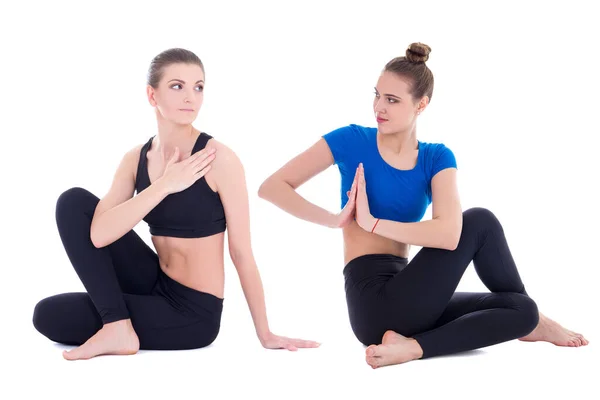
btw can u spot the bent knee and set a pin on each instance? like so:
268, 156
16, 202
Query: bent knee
478, 213
529, 315
480, 218
42, 316
76, 198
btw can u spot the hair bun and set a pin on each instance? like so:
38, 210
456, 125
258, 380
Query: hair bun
418, 52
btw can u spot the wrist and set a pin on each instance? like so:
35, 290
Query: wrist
331, 220
264, 336
160, 186
374, 223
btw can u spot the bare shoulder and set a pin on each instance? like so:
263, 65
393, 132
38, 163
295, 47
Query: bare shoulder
134, 152
131, 159
225, 158
226, 169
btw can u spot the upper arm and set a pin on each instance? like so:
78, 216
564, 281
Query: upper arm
445, 197
305, 165
123, 184
228, 173
333, 147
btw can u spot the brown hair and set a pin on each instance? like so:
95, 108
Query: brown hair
412, 66
168, 57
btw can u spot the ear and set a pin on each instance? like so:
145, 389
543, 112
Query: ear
150, 93
422, 105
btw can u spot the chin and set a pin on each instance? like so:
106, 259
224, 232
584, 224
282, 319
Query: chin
383, 129
183, 121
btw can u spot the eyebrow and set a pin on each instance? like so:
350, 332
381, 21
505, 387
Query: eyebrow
389, 94
179, 80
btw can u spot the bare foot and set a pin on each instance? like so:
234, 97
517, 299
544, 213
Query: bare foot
395, 349
552, 332
114, 338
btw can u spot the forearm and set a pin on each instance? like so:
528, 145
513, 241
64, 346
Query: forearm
112, 224
286, 198
254, 293
432, 233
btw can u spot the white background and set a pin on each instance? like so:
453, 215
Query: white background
515, 98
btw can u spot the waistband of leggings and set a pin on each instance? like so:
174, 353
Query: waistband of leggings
192, 297
371, 264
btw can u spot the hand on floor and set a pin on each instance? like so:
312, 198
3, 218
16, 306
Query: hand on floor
272, 341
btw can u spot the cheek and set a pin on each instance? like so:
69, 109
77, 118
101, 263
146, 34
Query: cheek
168, 101
403, 112
401, 116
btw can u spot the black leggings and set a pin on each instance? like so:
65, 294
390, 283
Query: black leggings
418, 299
123, 280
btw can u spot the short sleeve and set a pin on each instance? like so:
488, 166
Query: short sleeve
444, 158
340, 142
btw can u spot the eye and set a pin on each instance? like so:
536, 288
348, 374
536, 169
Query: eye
376, 94
177, 84
200, 88
392, 100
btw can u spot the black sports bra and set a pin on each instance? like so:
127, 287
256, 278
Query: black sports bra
194, 212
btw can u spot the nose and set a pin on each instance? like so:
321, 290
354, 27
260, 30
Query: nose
379, 106
189, 96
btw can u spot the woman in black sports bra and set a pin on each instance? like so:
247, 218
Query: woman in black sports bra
188, 187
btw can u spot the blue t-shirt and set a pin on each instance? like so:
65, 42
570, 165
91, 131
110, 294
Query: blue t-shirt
398, 195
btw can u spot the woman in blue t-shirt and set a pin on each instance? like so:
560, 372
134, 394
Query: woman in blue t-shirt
407, 310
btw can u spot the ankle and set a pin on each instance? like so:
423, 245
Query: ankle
415, 349
119, 324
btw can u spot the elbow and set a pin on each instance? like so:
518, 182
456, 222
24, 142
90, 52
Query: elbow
266, 190
263, 190
240, 257
97, 242
453, 238
97, 239
451, 244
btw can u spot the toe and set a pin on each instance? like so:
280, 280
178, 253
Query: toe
70, 355
583, 340
371, 362
378, 351
371, 350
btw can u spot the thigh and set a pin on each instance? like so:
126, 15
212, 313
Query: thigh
463, 303
419, 294
68, 318
163, 324
135, 263
437, 272
71, 318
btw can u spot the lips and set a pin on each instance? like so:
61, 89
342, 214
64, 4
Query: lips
186, 109
380, 120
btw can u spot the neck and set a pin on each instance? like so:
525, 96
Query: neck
400, 142
171, 135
